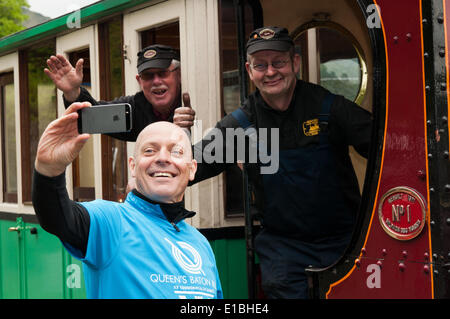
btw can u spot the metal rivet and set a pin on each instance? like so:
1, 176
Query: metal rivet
448, 221
424, 21
395, 39
440, 19
401, 267
408, 37
426, 269
430, 156
363, 251
444, 120
426, 256
380, 263
421, 174
404, 254
447, 188
445, 154
427, 88
384, 252
442, 53
443, 86
358, 263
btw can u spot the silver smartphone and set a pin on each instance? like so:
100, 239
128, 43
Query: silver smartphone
101, 119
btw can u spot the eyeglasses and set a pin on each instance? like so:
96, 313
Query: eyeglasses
261, 67
149, 76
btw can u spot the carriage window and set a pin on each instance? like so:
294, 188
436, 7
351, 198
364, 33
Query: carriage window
231, 92
168, 34
83, 166
38, 105
332, 58
114, 163
8, 134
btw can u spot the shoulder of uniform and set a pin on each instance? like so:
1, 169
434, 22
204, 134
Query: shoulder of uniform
312, 89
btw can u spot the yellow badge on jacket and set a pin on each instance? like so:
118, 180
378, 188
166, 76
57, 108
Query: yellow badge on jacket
311, 127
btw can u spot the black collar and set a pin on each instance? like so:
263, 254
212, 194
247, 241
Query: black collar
174, 212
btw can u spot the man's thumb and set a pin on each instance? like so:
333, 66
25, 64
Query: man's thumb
186, 100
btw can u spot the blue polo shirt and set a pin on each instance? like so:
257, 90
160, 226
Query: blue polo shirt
134, 252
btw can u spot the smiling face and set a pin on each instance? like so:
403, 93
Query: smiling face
162, 163
162, 89
274, 83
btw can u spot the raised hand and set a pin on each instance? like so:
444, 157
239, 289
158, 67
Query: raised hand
184, 116
66, 78
60, 143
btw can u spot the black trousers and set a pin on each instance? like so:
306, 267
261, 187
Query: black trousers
283, 261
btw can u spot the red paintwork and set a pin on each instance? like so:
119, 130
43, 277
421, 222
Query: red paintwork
404, 272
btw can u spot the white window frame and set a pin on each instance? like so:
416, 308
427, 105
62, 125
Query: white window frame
80, 39
10, 63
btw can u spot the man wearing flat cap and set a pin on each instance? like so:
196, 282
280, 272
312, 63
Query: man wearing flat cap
159, 78
308, 206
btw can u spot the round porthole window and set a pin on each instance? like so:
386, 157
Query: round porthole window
332, 58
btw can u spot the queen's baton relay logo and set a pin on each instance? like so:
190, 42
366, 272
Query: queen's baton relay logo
187, 257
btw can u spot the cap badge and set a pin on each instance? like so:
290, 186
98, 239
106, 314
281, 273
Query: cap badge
266, 34
149, 54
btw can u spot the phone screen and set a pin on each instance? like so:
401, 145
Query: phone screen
98, 119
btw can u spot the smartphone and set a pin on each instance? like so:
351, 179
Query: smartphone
100, 119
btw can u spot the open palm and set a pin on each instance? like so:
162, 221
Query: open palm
66, 78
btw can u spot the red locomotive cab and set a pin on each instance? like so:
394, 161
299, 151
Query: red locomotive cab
400, 247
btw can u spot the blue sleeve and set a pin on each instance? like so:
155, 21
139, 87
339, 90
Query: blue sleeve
104, 234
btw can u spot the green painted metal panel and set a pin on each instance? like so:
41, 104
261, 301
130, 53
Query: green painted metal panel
231, 262
43, 265
9, 262
36, 266
74, 279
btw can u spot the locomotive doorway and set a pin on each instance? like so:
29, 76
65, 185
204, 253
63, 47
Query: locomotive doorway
336, 49
332, 40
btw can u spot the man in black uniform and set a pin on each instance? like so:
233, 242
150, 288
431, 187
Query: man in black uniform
159, 78
309, 205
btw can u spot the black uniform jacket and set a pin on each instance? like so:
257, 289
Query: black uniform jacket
348, 124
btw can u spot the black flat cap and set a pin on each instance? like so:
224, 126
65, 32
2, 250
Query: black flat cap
269, 38
156, 56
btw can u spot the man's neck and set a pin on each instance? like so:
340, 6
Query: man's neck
279, 102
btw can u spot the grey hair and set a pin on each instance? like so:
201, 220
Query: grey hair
176, 64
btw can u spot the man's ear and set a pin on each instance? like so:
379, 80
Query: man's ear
192, 170
138, 79
132, 165
249, 70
